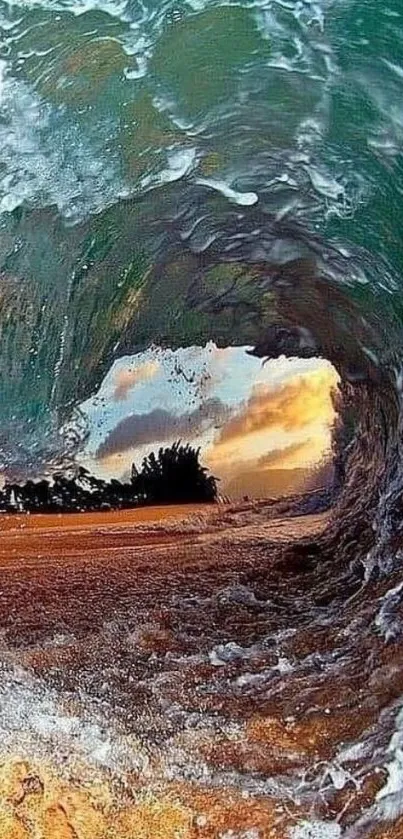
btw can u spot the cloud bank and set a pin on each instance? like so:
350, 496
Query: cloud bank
160, 425
292, 406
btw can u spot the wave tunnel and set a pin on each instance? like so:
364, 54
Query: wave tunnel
176, 176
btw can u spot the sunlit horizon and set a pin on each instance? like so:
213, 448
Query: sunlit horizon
247, 416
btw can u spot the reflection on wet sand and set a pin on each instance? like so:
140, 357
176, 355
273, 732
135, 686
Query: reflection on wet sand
192, 675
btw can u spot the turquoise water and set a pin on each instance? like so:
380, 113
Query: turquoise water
120, 121
173, 174
105, 99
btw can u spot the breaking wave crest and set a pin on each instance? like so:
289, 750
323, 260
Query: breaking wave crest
170, 175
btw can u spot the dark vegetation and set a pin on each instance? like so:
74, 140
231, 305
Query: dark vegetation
172, 476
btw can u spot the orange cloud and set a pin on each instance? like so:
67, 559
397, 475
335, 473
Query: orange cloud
300, 402
278, 430
289, 457
127, 378
278, 472
270, 483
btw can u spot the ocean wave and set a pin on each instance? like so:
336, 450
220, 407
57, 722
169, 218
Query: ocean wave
258, 204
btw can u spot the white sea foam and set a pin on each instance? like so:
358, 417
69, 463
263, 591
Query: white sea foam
32, 723
115, 8
325, 184
51, 160
225, 653
389, 800
388, 619
180, 162
316, 830
47, 160
245, 199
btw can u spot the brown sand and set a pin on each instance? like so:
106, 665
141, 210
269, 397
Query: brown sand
129, 612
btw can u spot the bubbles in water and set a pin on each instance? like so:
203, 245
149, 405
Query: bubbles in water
316, 830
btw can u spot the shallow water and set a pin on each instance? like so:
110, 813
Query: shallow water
193, 677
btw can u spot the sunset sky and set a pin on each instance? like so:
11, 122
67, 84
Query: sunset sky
250, 419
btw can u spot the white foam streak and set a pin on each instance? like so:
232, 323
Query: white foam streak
245, 199
389, 799
387, 619
180, 163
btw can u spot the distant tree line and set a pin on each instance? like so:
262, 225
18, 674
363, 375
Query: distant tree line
172, 476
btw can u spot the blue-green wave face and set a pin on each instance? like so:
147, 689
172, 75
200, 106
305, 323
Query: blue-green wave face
176, 172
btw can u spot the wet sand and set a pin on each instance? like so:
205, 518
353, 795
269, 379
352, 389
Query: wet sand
110, 518
188, 672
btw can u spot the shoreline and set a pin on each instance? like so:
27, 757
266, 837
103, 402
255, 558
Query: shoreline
67, 520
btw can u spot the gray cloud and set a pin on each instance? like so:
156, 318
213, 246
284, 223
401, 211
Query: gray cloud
159, 425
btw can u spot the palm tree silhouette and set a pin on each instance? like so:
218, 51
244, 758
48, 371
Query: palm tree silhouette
173, 475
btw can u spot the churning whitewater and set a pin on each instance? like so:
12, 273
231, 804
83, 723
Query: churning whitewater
174, 173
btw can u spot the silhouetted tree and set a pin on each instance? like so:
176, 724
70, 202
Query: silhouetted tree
175, 475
